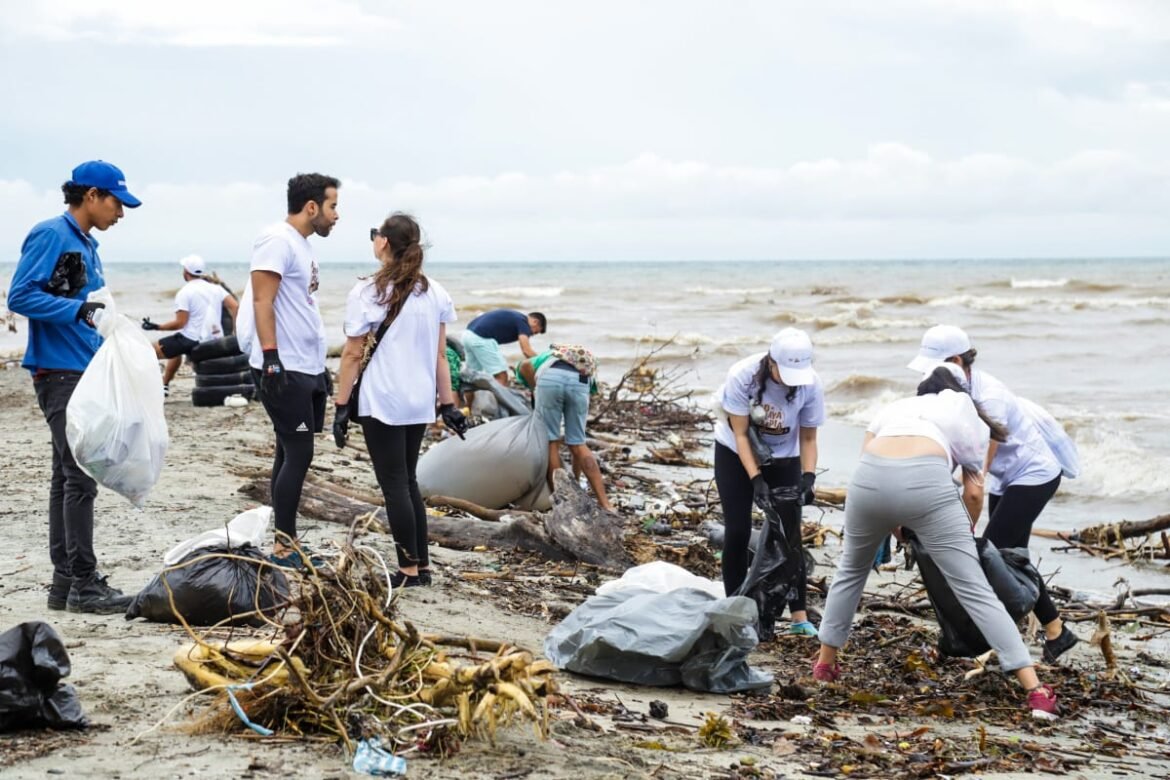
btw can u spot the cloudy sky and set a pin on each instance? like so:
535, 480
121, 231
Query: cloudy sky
612, 130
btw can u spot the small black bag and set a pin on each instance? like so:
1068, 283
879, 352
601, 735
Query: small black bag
32, 663
1009, 572
771, 581
211, 585
69, 276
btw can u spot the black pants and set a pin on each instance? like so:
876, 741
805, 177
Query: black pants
1010, 525
735, 494
394, 450
71, 491
296, 413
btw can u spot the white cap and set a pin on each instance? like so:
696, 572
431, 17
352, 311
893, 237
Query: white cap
792, 350
956, 371
193, 264
938, 344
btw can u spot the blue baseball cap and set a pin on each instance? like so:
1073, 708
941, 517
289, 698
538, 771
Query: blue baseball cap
105, 176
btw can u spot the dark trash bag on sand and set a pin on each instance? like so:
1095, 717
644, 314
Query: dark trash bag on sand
684, 636
776, 561
211, 585
32, 663
1010, 574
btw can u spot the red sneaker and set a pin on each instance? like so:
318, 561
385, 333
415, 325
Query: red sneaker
826, 673
1042, 703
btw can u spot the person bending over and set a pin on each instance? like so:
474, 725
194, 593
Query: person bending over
485, 334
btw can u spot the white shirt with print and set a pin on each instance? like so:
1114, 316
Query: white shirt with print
399, 385
1025, 458
300, 333
784, 418
203, 302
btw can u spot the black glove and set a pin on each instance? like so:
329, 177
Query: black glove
328, 383
86, 312
761, 493
148, 325
807, 494
272, 376
340, 424
453, 419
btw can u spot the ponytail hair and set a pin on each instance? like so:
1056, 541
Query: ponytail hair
943, 378
395, 281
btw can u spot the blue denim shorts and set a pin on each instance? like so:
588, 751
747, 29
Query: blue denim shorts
561, 396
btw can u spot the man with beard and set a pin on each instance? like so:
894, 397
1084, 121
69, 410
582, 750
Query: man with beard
285, 336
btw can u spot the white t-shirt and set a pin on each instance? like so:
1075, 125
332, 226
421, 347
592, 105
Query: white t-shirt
948, 418
781, 428
203, 302
399, 385
300, 333
1025, 458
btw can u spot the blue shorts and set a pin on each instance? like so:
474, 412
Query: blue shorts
562, 396
483, 354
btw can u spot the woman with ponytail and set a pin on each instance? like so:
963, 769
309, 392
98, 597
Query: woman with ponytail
396, 342
766, 439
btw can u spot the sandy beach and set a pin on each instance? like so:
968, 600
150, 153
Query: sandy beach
123, 673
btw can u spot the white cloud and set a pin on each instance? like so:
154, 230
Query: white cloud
299, 23
893, 200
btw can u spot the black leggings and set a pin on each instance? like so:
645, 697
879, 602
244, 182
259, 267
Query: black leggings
1012, 515
294, 453
735, 494
394, 451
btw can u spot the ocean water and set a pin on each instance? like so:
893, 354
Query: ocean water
1085, 338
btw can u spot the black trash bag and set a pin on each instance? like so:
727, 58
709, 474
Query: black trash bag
32, 663
211, 585
1009, 572
772, 579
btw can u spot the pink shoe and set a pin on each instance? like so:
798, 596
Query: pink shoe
826, 673
1041, 701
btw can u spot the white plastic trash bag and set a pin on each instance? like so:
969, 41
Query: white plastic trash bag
250, 527
114, 421
661, 577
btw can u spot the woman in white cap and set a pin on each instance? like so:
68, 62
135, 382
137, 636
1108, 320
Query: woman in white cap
905, 479
199, 306
1022, 472
779, 395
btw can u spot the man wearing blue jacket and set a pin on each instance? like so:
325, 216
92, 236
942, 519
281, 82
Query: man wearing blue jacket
59, 266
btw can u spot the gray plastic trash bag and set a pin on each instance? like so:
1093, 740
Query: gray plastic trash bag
684, 636
33, 662
499, 463
508, 402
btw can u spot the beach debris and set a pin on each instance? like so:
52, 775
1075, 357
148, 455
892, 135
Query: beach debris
658, 709
372, 759
33, 661
342, 666
1127, 540
716, 731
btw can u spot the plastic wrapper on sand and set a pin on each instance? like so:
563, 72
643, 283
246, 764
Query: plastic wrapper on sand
114, 422
500, 463
33, 662
685, 636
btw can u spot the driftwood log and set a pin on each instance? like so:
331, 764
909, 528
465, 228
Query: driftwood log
575, 530
1108, 533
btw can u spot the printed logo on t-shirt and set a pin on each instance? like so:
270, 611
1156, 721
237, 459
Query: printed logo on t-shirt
773, 424
302, 428
314, 280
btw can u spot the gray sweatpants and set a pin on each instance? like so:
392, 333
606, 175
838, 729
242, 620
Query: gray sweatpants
917, 493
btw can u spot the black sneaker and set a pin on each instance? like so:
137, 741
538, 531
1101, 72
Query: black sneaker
59, 591
1055, 648
424, 577
95, 596
401, 579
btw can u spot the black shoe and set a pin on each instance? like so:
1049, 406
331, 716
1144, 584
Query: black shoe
401, 579
424, 577
1055, 648
95, 596
59, 591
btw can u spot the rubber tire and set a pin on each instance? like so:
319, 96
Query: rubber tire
455, 343
233, 364
213, 396
215, 348
223, 380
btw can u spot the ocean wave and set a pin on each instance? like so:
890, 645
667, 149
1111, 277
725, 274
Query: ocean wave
1024, 302
822, 291
704, 290
863, 385
520, 292
1032, 284
863, 411
906, 299
690, 339
1114, 465
840, 338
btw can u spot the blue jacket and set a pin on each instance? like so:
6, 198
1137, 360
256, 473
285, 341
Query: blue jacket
56, 339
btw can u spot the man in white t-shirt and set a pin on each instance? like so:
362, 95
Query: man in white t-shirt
285, 337
198, 308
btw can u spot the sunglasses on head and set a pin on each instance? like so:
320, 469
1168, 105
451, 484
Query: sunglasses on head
374, 233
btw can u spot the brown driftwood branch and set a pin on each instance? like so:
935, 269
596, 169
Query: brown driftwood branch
473, 509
